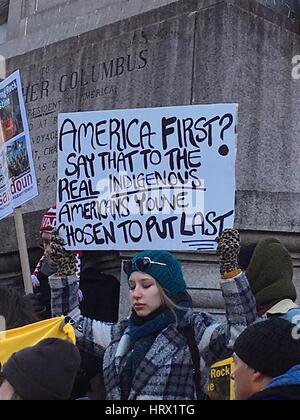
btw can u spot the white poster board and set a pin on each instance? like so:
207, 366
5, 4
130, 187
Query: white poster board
156, 178
17, 175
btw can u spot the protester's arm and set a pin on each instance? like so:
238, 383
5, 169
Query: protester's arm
228, 249
93, 335
216, 342
215, 339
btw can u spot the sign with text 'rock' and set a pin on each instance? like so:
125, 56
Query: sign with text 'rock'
146, 178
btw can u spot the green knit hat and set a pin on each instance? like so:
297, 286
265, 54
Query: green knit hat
169, 276
270, 272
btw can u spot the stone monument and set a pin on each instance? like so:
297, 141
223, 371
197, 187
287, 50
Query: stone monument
185, 52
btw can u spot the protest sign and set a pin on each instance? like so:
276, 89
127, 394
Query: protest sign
17, 176
220, 384
157, 178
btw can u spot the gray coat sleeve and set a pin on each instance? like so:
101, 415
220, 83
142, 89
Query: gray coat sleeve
215, 339
93, 336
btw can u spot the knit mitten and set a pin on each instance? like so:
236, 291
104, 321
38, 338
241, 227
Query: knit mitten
64, 260
228, 250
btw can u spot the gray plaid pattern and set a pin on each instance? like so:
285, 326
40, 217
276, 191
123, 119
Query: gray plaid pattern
166, 372
64, 294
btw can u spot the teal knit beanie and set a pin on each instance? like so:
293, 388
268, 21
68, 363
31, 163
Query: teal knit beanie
270, 273
169, 276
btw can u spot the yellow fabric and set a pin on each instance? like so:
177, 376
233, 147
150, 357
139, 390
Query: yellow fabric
231, 274
19, 338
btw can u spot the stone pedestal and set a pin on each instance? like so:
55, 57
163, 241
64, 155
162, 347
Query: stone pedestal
188, 52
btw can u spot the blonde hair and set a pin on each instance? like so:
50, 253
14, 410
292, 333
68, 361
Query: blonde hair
169, 303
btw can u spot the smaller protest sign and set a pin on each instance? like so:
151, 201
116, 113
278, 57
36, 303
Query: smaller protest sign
220, 384
17, 175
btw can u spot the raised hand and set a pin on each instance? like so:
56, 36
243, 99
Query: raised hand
228, 250
64, 260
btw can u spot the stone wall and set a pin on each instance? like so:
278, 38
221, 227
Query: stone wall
290, 8
35, 23
198, 54
246, 59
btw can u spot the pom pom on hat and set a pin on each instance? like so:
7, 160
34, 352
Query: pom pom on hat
49, 220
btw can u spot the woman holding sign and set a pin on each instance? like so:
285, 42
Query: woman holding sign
153, 353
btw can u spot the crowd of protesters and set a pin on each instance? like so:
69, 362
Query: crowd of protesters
164, 349
18, 164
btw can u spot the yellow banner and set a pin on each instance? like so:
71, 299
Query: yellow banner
19, 338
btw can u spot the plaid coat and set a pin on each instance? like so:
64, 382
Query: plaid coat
166, 372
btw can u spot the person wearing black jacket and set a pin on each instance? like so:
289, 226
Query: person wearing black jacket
15, 309
269, 268
100, 298
100, 291
100, 301
45, 266
267, 359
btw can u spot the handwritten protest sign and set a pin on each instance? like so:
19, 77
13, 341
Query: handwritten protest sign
17, 176
147, 178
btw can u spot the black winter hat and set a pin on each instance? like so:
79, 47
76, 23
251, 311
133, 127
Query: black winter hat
271, 347
45, 371
245, 255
